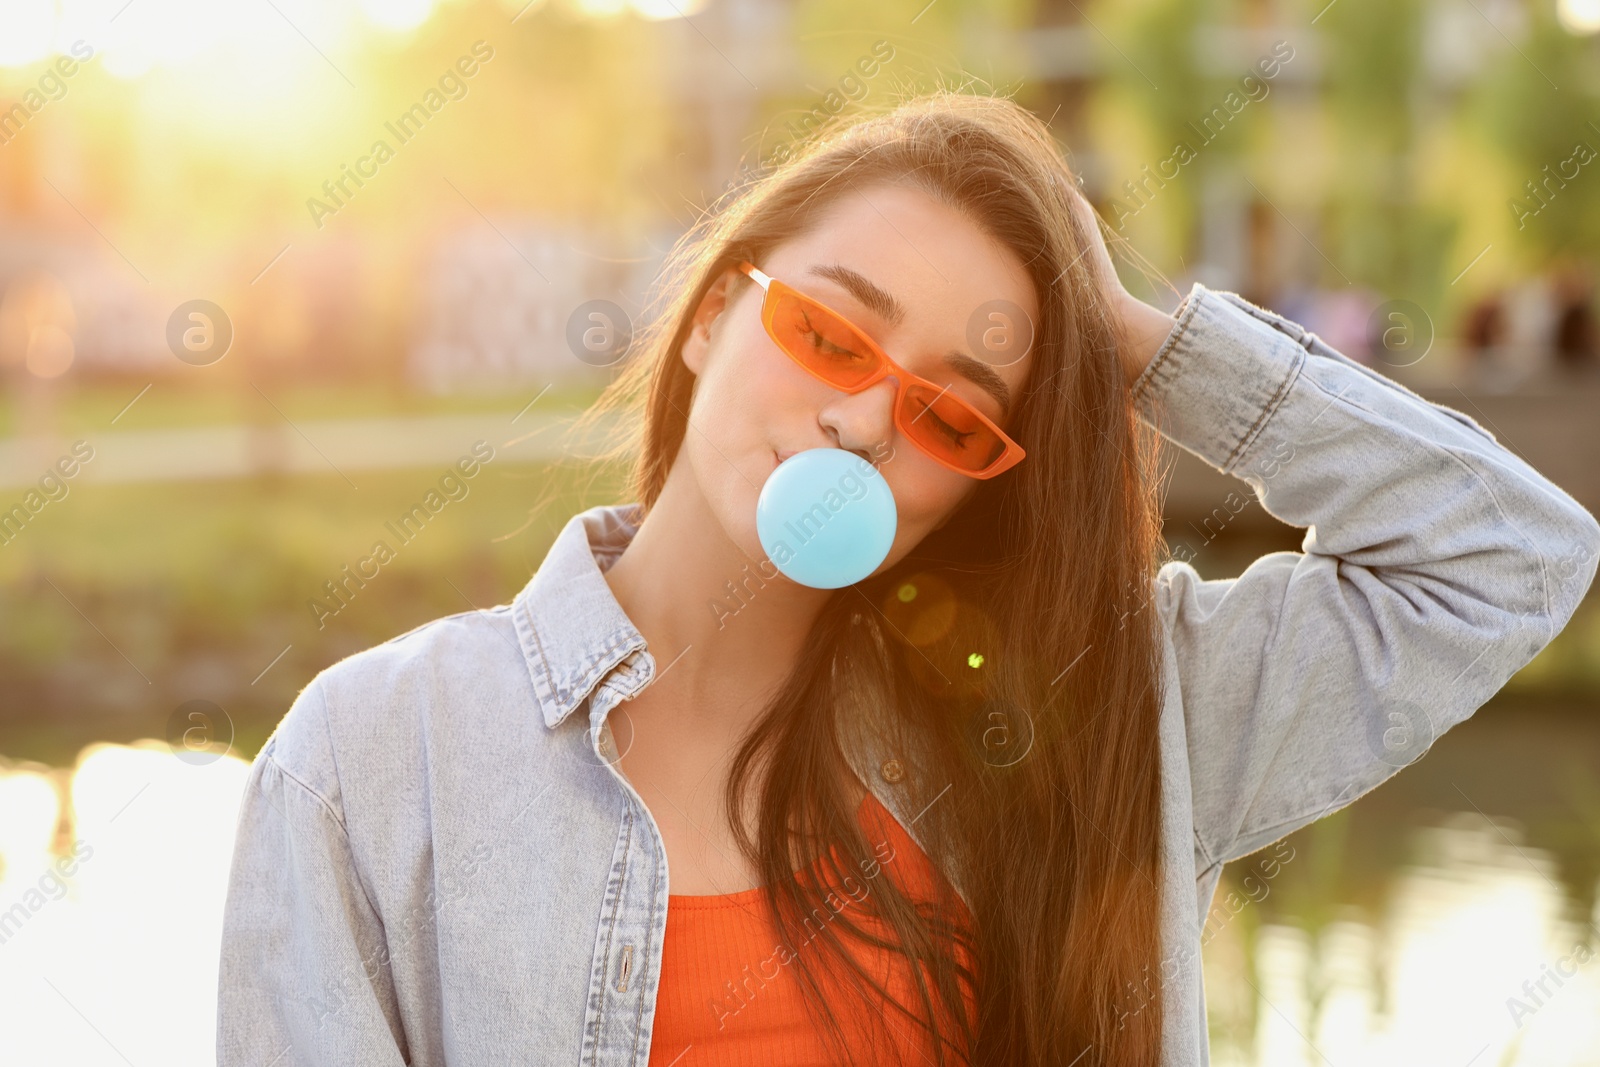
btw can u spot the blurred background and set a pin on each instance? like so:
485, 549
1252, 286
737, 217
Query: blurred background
270, 268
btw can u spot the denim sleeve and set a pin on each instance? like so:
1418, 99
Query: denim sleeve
1435, 564
304, 975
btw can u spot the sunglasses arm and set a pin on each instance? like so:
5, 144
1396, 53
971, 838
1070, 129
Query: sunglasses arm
760, 278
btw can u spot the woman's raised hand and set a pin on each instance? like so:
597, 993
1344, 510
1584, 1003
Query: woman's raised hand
1140, 327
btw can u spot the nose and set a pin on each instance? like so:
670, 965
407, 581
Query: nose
862, 422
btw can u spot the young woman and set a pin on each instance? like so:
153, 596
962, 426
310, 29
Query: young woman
971, 808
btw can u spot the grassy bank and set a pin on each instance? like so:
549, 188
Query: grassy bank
124, 601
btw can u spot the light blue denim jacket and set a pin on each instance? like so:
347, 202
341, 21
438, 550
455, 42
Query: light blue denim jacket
436, 863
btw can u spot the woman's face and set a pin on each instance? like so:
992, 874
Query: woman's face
914, 274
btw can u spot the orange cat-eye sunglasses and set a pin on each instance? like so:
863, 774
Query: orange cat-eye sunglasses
839, 353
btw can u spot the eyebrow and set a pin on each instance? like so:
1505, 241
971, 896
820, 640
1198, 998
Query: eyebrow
883, 304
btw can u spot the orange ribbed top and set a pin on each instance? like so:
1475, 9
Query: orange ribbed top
729, 996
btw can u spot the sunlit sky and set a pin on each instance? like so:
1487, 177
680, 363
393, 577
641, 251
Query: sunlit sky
1579, 16
134, 37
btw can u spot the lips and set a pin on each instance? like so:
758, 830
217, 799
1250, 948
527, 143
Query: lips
779, 455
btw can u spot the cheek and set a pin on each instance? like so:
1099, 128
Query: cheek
745, 377
736, 400
924, 493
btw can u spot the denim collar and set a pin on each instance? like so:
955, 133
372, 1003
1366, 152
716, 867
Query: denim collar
572, 630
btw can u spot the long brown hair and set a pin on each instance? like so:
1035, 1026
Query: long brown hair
1018, 629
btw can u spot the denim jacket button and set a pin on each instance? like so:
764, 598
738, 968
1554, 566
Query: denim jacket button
892, 770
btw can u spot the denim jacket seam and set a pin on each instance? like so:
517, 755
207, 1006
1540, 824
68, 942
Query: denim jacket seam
1299, 819
1182, 341
638, 1012
611, 931
1156, 367
1267, 411
538, 644
338, 814
344, 836
399, 637
1205, 853
333, 756
1315, 345
1544, 570
1286, 326
333, 813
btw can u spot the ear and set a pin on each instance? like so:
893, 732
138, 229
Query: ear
697, 345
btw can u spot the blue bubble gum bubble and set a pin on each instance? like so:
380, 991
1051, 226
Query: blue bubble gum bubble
826, 518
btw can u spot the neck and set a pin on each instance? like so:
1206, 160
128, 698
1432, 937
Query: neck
725, 629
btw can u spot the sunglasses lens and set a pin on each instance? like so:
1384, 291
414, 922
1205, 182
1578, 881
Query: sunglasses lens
947, 427
837, 352
822, 342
